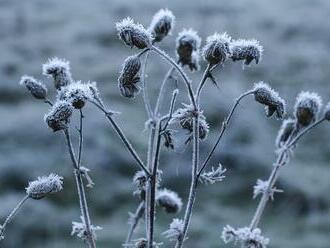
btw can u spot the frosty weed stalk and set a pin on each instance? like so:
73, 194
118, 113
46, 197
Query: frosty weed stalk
219, 48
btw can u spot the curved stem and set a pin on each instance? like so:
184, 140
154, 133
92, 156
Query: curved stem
171, 110
81, 138
146, 99
11, 215
223, 129
180, 71
135, 221
202, 82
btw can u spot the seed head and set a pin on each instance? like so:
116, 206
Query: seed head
37, 89
129, 77
307, 108
327, 112
175, 231
77, 93
187, 48
217, 48
59, 70
79, 229
285, 132
161, 25
247, 50
58, 117
169, 200
133, 34
39, 188
168, 139
270, 98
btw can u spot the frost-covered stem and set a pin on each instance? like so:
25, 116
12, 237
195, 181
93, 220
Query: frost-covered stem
12, 214
123, 137
192, 192
146, 99
223, 129
81, 138
161, 91
48, 102
135, 221
171, 110
202, 82
81, 192
153, 185
180, 71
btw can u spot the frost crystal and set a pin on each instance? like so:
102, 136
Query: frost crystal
285, 132
37, 89
79, 229
133, 34
129, 77
175, 231
59, 116
261, 187
161, 25
39, 188
307, 107
270, 98
245, 236
217, 48
169, 200
213, 176
187, 48
246, 50
59, 69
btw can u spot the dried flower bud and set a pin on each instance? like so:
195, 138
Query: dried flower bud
169, 200
168, 139
140, 181
217, 48
245, 236
37, 89
307, 108
59, 70
59, 115
161, 25
270, 98
129, 77
327, 112
184, 116
285, 132
39, 188
175, 231
246, 50
79, 229
133, 34
77, 93
187, 48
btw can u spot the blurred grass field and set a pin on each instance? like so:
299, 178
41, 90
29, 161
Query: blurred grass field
296, 38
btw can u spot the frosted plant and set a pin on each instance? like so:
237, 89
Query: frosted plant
59, 115
59, 70
175, 231
261, 187
37, 89
169, 200
79, 229
161, 25
285, 132
246, 50
213, 176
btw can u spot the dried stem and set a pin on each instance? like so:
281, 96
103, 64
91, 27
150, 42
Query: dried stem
146, 99
135, 221
11, 215
81, 138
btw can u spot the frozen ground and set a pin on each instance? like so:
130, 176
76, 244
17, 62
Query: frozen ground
296, 38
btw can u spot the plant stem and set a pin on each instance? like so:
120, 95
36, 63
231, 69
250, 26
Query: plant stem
81, 191
11, 215
223, 129
180, 71
81, 138
202, 82
171, 110
135, 221
146, 99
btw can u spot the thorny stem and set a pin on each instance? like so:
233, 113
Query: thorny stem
280, 162
153, 185
161, 91
11, 215
223, 129
81, 191
146, 99
180, 71
81, 138
135, 221
123, 137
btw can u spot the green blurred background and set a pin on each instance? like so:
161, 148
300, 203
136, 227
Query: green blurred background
296, 38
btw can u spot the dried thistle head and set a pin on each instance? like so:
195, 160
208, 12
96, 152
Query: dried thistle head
285, 132
187, 48
161, 25
129, 77
265, 95
77, 93
133, 34
307, 108
184, 116
36, 88
59, 70
217, 48
59, 115
169, 200
43, 186
175, 231
246, 50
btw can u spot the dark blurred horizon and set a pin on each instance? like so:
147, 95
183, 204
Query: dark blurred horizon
296, 40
